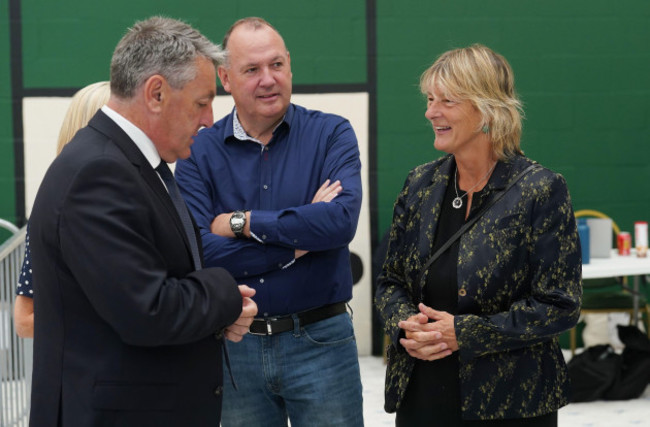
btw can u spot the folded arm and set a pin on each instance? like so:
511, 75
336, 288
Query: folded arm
326, 219
320, 226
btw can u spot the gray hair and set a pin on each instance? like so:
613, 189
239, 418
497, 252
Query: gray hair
159, 45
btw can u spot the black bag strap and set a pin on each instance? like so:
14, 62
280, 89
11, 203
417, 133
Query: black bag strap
471, 222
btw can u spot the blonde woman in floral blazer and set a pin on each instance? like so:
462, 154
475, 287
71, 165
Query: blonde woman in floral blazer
474, 337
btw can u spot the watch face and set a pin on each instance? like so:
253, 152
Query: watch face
237, 221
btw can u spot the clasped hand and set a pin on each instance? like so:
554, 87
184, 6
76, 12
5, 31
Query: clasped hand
237, 330
427, 340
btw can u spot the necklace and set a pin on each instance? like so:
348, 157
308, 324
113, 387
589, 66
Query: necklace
457, 203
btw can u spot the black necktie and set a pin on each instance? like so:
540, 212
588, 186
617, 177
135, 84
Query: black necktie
181, 208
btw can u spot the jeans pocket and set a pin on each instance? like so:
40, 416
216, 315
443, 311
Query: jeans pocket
333, 331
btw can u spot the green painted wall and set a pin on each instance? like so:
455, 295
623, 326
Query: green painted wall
7, 181
68, 43
582, 68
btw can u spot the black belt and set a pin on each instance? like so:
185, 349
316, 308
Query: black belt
276, 325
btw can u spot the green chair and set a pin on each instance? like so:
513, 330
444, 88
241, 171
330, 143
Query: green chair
609, 295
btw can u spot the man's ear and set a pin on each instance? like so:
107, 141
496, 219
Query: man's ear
154, 92
289, 63
223, 76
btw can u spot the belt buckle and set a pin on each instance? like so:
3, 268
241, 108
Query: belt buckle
269, 329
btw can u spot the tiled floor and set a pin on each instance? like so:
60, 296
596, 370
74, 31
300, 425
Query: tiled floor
593, 414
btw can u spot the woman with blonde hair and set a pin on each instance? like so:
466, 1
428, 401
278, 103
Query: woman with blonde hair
483, 268
83, 106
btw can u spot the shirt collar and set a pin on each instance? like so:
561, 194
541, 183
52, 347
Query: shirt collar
141, 140
239, 132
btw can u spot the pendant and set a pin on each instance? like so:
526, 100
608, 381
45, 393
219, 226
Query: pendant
457, 203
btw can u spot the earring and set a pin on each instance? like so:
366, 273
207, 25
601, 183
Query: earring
485, 129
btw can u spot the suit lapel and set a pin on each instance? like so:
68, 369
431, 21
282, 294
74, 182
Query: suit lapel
432, 204
102, 123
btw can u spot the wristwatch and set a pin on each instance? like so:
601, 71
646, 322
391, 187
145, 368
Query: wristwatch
237, 223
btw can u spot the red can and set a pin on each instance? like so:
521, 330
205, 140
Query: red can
624, 243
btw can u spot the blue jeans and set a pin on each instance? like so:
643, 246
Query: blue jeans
309, 375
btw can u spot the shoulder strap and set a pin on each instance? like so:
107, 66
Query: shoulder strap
471, 222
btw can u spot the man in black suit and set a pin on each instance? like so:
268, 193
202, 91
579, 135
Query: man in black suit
129, 329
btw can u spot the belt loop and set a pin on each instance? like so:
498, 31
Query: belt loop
296, 325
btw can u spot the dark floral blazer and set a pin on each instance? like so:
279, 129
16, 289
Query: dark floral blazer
519, 286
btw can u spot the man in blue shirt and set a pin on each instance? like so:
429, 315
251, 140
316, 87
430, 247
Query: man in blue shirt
276, 191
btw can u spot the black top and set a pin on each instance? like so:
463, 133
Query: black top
434, 385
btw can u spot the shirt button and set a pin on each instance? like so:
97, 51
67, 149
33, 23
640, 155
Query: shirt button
462, 292
263, 236
266, 187
245, 273
218, 391
218, 335
266, 148
262, 280
295, 240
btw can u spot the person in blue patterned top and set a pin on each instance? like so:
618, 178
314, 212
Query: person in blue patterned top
83, 106
474, 336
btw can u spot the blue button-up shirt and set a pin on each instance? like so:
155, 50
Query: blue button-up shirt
277, 183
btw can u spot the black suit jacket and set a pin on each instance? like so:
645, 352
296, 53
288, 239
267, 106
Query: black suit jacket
126, 333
